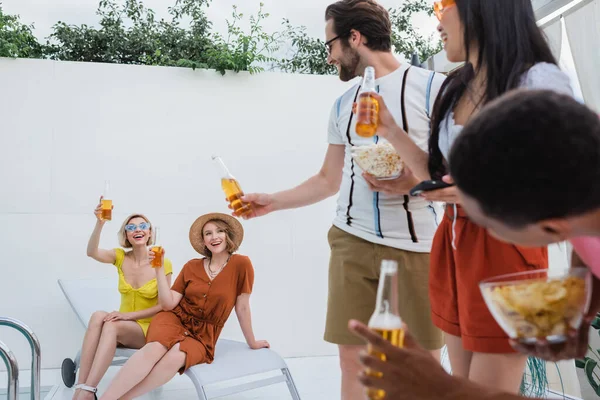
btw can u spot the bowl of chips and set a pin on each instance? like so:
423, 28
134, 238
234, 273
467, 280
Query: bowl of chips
380, 160
540, 304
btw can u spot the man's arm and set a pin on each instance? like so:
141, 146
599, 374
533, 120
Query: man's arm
322, 185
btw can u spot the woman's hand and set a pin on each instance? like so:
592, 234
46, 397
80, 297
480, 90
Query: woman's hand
98, 210
447, 195
118, 316
152, 256
260, 344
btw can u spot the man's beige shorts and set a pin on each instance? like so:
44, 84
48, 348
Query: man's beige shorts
353, 279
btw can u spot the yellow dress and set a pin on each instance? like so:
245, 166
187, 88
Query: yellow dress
141, 298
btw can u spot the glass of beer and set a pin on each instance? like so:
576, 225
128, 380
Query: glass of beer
106, 203
386, 320
157, 248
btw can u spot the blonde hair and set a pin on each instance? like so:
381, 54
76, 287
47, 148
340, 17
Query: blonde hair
122, 235
231, 246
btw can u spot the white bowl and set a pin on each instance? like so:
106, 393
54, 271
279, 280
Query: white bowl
539, 304
380, 160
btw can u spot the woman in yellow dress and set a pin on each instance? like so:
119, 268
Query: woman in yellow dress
139, 301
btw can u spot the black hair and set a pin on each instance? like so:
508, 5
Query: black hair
530, 156
509, 42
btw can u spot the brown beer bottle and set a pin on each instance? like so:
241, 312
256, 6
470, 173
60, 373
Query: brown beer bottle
367, 109
232, 189
386, 320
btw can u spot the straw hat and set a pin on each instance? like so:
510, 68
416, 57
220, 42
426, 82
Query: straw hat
236, 231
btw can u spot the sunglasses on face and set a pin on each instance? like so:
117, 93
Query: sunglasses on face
133, 227
439, 7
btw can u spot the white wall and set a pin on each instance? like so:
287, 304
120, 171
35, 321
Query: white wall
66, 127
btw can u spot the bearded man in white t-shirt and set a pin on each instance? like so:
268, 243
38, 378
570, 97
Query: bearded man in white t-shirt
375, 220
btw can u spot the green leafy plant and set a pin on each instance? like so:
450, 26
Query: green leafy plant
589, 364
17, 39
243, 50
308, 54
405, 38
131, 34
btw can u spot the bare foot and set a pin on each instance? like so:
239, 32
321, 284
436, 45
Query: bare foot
76, 394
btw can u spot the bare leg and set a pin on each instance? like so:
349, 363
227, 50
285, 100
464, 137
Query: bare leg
351, 367
89, 346
128, 333
460, 359
162, 373
135, 370
498, 371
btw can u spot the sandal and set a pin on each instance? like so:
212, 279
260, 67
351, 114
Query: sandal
88, 389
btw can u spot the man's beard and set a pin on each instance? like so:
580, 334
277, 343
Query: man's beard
348, 68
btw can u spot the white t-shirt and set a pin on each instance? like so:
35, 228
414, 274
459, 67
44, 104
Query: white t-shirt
402, 222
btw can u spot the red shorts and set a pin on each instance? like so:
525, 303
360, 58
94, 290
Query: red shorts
457, 305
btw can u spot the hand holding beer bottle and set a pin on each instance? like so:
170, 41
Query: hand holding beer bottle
106, 203
410, 372
367, 110
101, 213
260, 204
156, 255
233, 191
385, 321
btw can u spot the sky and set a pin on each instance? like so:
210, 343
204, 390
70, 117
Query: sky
44, 13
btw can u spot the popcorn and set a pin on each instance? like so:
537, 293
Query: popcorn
379, 160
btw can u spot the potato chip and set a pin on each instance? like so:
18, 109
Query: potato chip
540, 308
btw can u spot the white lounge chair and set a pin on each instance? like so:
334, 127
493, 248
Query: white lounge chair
233, 359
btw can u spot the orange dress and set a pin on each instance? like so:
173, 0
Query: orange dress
197, 321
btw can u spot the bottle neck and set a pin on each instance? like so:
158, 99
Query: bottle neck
387, 294
223, 170
368, 84
156, 235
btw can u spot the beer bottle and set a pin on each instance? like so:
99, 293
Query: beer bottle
156, 248
367, 112
106, 203
386, 320
232, 189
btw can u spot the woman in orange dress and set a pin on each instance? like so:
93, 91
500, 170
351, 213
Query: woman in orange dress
195, 309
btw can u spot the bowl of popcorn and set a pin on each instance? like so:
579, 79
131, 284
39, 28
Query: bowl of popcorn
539, 304
380, 160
